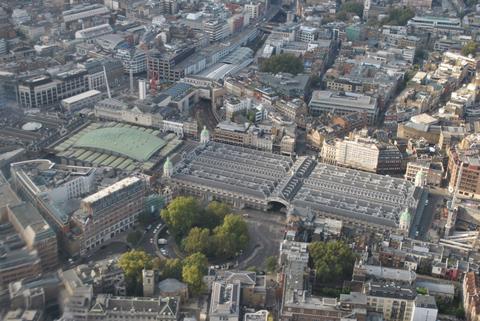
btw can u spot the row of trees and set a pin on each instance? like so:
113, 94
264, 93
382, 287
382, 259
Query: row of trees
211, 231
191, 270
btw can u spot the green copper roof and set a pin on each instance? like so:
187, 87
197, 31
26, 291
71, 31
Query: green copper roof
128, 142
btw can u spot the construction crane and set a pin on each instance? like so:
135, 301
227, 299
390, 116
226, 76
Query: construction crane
106, 81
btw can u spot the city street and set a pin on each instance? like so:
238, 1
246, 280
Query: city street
435, 199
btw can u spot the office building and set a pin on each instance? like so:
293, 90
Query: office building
57, 185
35, 232
225, 302
252, 10
425, 308
340, 104
216, 30
23, 231
109, 211
38, 292
438, 25
433, 171
49, 89
161, 65
377, 157
471, 297
286, 85
84, 100
85, 16
464, 167
133, 60
307, 34
90, 34
3, 46
392, 299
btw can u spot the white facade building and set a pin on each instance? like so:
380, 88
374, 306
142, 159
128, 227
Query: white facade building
325, 101
252, 10
83, 100
425, 309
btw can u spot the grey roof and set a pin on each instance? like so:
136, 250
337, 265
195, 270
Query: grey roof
305, 184
178, 91
391, 290
171, 285
158, 306
225, 299
425, 301
437, 288
19, 257
233, 168
356, 194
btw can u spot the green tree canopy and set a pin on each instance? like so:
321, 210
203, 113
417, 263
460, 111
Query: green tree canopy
271, 264
180, 215
470, 48
231, 236
333, 261
169, 268
283, 63
351, 7
198, 240
214, 214
194, 268
132, 263
398, 16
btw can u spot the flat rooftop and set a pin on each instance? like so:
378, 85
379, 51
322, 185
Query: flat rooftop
111, 189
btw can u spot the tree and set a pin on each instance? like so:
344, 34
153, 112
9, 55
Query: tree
470, 48
352, 7
180, 215
134, 237
399, 16
251, 116
333, 261
132, 263
342, 16
232, 236
315, 81
420, 55
283, 63
145, 218
194, 268
215, 213
169, 268
271, 264
198, 240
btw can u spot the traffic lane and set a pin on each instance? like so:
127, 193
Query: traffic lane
434, 201
113, 249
